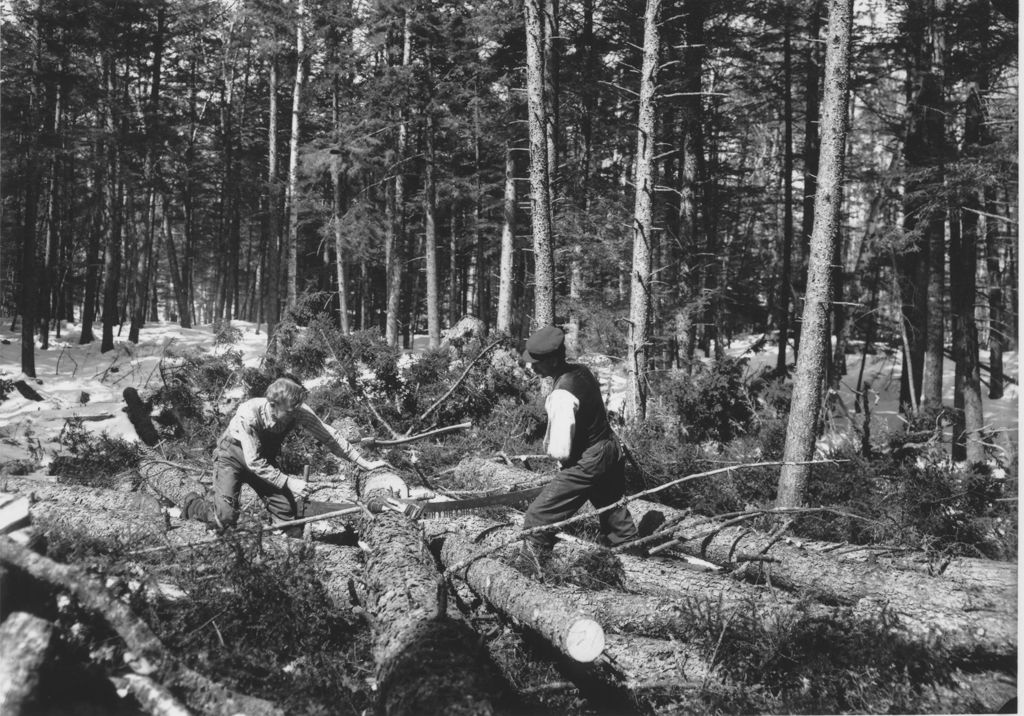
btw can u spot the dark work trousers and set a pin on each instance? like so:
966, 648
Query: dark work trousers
231, 474
598, 476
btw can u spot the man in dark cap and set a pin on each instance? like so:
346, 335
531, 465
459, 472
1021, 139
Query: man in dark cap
592, 465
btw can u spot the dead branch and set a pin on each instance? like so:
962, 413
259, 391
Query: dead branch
146, 653
455, 385
625, 500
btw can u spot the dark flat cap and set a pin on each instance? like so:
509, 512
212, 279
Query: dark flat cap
543, 343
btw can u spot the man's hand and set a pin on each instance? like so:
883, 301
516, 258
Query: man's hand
297, 486
374, 464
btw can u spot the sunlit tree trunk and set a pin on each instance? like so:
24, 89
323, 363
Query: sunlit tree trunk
293, 156
430, 241
394, 232
805, 406
271, 207
643, 222
340, 260
505, 263
540, 180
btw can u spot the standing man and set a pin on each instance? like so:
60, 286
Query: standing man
592, 465
247, 455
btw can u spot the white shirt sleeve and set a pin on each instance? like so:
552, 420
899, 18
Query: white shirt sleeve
561, 406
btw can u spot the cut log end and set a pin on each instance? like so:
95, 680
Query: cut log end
585, 641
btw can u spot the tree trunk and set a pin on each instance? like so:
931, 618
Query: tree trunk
27, 644
812, 143
508, 233
807, 382
540, 179
931, 388
785, 280
271, 207
340, 261
114, 195
293, 156
430, 242
643, 222
968, 443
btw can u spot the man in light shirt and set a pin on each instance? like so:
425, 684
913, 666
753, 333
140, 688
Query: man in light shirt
247, 454
592, 465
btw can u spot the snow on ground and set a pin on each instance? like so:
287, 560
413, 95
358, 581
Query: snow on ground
68, 372
79, 380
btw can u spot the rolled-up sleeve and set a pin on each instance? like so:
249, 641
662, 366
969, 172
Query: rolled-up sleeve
243, 428
306, 419
561, 406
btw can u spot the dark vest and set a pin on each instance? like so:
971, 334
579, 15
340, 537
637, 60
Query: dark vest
591, 418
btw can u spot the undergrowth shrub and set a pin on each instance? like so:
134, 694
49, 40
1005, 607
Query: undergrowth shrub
714, 401
6, 386
266, 624
92, 459
804, 664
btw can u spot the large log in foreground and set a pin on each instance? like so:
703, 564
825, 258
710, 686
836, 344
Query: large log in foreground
427, 662
527, 602
969, 621
25, 645
146, 654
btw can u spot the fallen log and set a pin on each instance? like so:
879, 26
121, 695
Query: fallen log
26, 644
145, 655
426, 661
967, 620
138, 414
526, 602
154, 698
92, 498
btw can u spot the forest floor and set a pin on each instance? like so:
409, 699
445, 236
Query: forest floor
79, 380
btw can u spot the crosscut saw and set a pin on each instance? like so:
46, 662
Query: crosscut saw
428, 509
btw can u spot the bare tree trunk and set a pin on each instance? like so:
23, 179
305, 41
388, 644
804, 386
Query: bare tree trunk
812, 143
508, 232
115, 188
963, 254
339, 235
785, 280
807, 382
430, 241
540, 179
293, 156
643, 222
271, 207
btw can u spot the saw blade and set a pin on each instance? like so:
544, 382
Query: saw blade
441, 508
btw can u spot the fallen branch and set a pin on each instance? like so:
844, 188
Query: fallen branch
622, 502
146, 654
377, 442
455, 385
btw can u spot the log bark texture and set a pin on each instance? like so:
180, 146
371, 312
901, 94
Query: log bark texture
26, 643
527, 602
146, 655
426, 661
